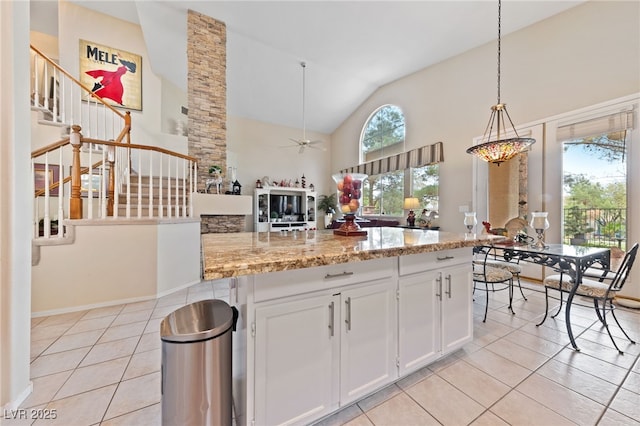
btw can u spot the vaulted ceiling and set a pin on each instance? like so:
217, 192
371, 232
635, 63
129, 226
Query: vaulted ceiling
351, 48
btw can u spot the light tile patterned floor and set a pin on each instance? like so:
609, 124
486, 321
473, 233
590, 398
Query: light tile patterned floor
102, 366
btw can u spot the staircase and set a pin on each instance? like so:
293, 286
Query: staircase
88, 174
95, 156
154, 197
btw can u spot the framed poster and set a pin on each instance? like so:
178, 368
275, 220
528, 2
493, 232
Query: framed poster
40, 172
113, 74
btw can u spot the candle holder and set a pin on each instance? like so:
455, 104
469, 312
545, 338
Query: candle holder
470, 220
539, 223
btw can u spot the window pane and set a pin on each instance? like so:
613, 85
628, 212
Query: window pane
425, 181
384, 194
595, 190
383, 134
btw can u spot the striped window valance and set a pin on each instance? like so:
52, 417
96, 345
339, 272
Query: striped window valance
419, 157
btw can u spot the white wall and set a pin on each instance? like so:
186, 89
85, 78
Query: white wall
263, 149
586, 55
136, 260
15, 245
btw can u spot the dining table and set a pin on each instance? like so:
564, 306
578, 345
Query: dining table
569, 259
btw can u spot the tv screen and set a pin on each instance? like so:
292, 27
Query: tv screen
286, 205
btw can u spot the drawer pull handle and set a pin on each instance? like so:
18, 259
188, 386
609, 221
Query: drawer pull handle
341, 275
445, 258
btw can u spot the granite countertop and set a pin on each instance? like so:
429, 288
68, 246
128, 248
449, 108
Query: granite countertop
247, 253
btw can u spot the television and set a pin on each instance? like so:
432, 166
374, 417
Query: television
286, 206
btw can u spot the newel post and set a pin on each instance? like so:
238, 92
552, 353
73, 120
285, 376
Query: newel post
75, 203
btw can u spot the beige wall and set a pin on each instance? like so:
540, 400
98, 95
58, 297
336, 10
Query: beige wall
586, 55
15, 226
136, 261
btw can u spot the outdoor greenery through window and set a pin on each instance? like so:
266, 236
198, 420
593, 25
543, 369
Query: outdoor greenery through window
383, 135
595, 190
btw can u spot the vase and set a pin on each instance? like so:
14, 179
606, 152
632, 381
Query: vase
349, 187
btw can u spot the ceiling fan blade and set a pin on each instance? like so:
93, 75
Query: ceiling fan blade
298, 141
319, 148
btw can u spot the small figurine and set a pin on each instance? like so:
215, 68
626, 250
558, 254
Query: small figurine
216, 179
411, 219
258, 184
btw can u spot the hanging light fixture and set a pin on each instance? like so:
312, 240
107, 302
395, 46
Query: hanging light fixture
502, 148
304, 142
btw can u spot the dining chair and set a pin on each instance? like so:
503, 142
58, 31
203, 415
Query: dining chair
601, 288
483, 272
511, 266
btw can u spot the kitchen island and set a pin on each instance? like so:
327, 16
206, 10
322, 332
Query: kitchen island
326, 320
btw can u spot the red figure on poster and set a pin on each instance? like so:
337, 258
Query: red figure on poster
109, 84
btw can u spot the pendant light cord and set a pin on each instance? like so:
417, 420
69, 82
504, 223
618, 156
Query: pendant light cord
499, 22
304, 127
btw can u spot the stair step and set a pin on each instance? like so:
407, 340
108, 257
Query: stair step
134, 179
122, 210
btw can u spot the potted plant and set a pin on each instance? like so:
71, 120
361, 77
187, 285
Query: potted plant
576, 225
327, 203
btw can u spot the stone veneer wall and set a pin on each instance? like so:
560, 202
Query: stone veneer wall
207, 102
221, 224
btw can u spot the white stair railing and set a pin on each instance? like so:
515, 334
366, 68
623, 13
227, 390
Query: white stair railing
145, 194
64, 101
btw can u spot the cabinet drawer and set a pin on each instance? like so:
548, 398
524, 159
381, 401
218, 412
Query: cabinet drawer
435, 260
299, 281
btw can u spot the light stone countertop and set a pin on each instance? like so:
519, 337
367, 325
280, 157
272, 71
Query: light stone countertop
248, 253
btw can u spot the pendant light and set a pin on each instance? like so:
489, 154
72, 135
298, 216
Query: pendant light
501, 148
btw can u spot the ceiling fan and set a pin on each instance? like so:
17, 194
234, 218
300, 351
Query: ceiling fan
304, 142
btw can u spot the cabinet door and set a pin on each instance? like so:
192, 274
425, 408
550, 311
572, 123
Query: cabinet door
457, 307
368, 344
296, 353
419, 320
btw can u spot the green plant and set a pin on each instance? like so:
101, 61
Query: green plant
327, 203
576, 223
214, 169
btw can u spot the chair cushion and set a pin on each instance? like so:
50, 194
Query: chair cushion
589, 287
596, 274
493, 275
514, 268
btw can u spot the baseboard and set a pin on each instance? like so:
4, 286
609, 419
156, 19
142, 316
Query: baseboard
14, 404
91, 306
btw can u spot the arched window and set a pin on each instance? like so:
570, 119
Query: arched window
383, 135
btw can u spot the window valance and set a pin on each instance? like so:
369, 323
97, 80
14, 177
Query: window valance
609, 123
419, 157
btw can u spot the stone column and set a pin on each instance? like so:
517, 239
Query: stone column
207, 102
207, 93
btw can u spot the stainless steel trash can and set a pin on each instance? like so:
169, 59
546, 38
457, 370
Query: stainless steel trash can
196, 364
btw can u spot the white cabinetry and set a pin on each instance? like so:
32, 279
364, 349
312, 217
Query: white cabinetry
436, 312
368, 341
313, 340
315, 354
283, 208
295, 350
